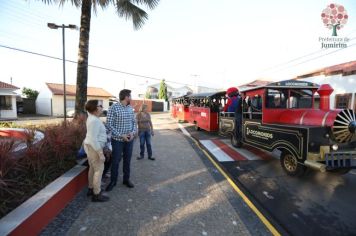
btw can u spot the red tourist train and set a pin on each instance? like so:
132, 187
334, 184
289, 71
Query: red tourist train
287, 116
180, 108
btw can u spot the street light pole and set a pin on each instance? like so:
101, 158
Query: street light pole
64, 77
54, 26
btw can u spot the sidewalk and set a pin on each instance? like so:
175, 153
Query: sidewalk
174, 195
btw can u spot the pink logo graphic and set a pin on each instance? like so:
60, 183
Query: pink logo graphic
334, 17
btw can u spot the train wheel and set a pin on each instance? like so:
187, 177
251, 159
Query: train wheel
291, 165
235, 141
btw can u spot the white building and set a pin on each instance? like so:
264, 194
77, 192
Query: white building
342, 78
50, 100
173, 92
153, 90
8, 109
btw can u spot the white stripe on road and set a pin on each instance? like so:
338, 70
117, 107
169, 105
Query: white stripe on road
247, 154
185, 132
216, 151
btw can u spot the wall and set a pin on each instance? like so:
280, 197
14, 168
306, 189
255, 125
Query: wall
10, 114
136, 104
43, 102
57, 102
341, 84
29, 106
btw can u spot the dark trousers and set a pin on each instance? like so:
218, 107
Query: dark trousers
121, 150
145, 138
238, 125
107, 166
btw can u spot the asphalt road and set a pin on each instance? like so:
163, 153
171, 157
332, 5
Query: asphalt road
315, 204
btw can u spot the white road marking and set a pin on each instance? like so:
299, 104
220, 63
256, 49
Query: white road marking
185, 132
268, 195
216, 151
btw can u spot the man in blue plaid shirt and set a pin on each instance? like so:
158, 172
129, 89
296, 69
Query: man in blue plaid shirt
121, 123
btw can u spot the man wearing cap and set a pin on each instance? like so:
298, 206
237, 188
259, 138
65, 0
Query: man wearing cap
234, 104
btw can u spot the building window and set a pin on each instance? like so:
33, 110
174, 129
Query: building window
343, 101
5, 103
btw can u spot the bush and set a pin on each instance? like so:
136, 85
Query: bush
24, 173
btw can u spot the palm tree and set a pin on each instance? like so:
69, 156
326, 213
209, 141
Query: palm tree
127, 9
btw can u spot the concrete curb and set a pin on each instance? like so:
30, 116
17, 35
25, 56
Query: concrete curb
37, 212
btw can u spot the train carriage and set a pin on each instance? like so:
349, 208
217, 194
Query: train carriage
180, 108
204, 110
284, 116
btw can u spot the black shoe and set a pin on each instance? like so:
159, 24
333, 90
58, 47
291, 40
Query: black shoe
139, 158
128, 184
99, 198
90, 192
110, 186
151, 158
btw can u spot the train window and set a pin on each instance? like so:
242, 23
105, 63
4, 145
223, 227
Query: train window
276, 98
256, 103
300, 98
252, 107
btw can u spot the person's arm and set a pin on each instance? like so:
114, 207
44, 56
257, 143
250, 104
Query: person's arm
226, 107
94, 130
134, 123
111, 121
149, 116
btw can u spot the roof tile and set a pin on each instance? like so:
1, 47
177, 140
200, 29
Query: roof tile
57, 89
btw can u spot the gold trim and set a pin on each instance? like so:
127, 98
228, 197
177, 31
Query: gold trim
288, 144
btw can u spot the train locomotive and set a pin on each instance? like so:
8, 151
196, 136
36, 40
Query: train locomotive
293, 117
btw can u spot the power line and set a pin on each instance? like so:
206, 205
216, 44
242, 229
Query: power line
93, 66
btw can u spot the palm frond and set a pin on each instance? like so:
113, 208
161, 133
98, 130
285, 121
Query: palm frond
150, 3
129, 10
76, 3
102, 3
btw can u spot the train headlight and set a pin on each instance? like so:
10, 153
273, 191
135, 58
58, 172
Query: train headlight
327, 135
335, 147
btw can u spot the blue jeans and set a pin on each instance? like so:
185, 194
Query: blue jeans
145, 137
121, 150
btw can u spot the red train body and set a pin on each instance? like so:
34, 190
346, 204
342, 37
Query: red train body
204, 118
180, 109
204, 110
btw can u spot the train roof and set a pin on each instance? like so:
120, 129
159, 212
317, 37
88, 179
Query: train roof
184, 96
206, 95
286, 84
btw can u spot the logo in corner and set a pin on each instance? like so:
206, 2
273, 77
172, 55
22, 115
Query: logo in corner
334, 17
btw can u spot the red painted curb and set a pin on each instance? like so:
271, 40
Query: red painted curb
228, 150
46, 213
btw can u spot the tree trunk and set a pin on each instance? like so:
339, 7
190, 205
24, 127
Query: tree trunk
83, 55
335, 30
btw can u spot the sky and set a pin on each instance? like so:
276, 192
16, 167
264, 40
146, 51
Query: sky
211, 43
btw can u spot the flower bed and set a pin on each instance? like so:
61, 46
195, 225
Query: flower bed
25, 172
